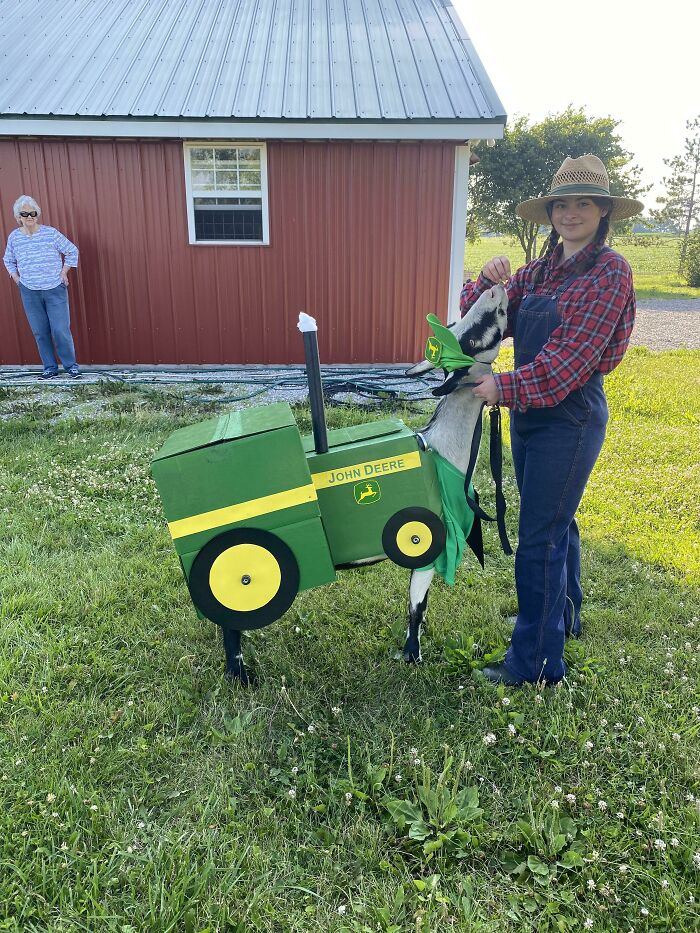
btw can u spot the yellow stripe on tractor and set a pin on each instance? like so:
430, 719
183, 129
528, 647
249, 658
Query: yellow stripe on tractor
242, 512
370, 469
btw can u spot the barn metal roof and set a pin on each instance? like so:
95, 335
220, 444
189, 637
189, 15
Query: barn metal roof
393, 60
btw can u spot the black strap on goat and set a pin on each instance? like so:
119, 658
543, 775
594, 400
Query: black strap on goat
496, 461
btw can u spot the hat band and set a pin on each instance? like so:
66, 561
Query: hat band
579, 189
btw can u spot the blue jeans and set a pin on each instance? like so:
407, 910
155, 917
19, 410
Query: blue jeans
554, 451
49, 318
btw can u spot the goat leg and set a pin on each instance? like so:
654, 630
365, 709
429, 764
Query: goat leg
417, 604
235, 668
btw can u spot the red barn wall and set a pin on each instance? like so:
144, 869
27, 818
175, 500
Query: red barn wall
359, 238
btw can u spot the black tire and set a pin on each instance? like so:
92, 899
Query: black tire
250, 558
417, 551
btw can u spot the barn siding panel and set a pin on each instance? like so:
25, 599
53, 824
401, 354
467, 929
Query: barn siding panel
359, 238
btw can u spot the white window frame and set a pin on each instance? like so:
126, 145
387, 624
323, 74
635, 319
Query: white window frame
191, 195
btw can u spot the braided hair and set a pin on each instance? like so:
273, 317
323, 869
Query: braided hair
583, 265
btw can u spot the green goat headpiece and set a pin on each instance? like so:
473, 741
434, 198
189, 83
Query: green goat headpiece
443, 349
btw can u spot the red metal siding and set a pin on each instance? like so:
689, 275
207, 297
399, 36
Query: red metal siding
359, 238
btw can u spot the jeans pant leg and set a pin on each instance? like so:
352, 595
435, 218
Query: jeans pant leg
59, 319
559, 456
35, 309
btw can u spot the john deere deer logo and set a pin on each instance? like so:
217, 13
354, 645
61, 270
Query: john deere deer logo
367, 492
432, 349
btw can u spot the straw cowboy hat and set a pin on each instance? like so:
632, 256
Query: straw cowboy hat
585, 175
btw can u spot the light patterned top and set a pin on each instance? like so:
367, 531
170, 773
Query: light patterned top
37, 258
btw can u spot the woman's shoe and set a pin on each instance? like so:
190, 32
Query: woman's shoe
499, 674
49, 374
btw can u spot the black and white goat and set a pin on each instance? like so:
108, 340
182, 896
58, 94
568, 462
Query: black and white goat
454, 422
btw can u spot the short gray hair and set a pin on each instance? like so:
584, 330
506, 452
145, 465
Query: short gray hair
25, 199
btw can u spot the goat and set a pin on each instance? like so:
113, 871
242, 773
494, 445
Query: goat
452, 426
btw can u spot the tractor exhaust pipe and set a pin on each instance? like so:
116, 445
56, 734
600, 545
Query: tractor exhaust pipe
307, 325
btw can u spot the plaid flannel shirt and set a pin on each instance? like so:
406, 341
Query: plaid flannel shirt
597, 312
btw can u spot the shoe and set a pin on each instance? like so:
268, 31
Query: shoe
74, 373
48, 374
499, 674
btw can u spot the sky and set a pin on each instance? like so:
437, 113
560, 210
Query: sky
638, 62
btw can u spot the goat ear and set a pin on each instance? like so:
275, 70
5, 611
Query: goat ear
423, 367
451, 383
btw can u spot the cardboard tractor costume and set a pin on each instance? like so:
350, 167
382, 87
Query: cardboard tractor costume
258, 512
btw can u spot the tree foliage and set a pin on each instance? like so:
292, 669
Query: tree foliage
522, 164
680, 205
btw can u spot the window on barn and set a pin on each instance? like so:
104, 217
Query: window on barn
227, 193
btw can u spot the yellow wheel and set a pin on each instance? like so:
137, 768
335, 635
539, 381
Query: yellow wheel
244, 578
413, 537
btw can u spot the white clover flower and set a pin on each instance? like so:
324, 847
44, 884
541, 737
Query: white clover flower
557, 789
64, 847
571, 798
468, 765
554, 804
664, 883
50, 798
591, 884
342, 908
676, 737
413, 752
539, 698
588, 923
660, 845
335, 710
311, 728
620, 815
505, 701
602, 805
416, 761
297, 630
348, 797
291, 793
623, 869
295, 770
696, 859
94, 806
511, 728
644, 912
588, 745
489, 739
398, 778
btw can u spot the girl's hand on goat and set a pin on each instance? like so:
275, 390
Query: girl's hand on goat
486, 389
497, 269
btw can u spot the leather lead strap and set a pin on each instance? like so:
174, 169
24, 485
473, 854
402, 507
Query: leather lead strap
496, 458
496, 463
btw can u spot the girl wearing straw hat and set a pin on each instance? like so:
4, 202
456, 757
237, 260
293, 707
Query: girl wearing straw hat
570, 314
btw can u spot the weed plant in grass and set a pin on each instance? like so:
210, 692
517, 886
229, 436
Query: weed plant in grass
347, 791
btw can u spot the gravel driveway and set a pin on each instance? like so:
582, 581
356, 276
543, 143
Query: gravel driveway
667, 325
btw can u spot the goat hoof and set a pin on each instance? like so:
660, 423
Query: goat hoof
412, 657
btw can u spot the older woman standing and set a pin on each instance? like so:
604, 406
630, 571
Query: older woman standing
33, 259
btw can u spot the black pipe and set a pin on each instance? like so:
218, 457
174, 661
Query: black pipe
313, 374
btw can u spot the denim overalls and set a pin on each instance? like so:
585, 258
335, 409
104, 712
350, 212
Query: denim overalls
554, 450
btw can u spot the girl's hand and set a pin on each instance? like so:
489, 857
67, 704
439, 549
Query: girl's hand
64, 276
486, 389
497, 269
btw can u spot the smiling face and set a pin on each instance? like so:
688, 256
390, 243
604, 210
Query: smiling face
576, 219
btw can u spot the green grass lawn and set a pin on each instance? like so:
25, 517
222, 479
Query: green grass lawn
654, 262
346, 791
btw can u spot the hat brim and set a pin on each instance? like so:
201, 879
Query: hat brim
535, 209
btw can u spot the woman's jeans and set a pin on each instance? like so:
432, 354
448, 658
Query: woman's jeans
554, 451
49, 318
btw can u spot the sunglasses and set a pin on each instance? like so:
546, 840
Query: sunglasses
27, 213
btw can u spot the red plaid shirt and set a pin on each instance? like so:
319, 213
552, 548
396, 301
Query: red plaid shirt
597, 312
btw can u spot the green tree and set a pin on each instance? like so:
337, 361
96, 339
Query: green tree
680, 206
522, 164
